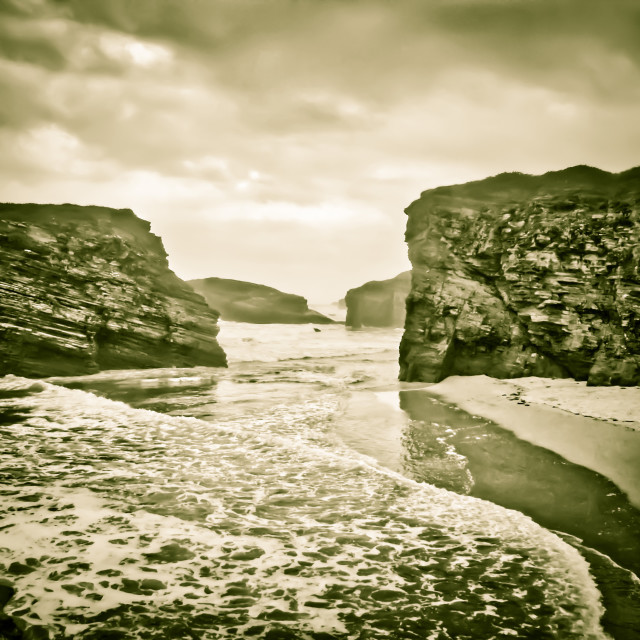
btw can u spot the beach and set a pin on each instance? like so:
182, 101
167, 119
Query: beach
596, 427
309, 497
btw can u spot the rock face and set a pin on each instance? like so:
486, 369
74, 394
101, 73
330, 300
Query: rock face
248, 302
89, 288
379, 303
526, 275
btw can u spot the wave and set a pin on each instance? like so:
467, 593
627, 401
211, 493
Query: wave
281, 343
126, 516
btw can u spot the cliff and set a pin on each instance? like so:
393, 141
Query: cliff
89, 288
379, 303
248, 302
523, 275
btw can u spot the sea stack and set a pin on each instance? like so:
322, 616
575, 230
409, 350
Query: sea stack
89, 288
241, 301
521, 275
379, 303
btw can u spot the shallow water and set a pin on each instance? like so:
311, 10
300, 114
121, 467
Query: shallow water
279, 498
557, 494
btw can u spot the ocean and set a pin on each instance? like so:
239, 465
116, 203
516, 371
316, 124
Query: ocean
302, 493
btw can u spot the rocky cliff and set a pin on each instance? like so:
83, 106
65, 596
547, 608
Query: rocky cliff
526, 275
379, 303
248, 302
89, 288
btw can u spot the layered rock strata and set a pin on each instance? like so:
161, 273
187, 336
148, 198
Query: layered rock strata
523, 275
379, 303
249, 302
89, 288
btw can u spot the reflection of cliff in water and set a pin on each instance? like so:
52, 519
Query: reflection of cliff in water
557, 494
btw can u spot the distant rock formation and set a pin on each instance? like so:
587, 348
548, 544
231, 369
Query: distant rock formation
248, 302
379, 303
89, 288
522, 275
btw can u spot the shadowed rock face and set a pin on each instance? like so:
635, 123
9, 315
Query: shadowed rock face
248, 302
379, 303
526, 275
89, 288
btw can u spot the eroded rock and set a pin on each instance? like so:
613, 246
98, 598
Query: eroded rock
526, 275
89, 288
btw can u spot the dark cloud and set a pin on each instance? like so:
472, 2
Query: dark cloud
377, 44
20, 105
196, 23
20, 8
271, 53
551, 42
524, 22
29, 48
228, 116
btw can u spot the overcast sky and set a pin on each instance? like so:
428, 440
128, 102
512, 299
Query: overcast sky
278, 141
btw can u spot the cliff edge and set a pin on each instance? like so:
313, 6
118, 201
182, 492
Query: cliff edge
89, 288
520, 275
379, 303
249, 302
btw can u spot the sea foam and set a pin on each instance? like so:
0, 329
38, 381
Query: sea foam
128, 518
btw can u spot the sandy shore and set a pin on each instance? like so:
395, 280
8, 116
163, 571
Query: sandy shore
596, 427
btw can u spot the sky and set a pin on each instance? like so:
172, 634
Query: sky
279, 141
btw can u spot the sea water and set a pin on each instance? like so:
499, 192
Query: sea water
284, 497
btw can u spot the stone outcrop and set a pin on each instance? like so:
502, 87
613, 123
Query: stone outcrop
526, 275
248, 302
379, 303
89, 288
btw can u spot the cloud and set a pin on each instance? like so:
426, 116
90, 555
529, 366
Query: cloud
373, 46
32, 44
50, 150
279, 125
320, 262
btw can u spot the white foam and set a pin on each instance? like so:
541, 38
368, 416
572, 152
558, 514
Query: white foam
273, 496
244, 342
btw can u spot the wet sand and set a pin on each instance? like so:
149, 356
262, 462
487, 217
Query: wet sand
595, 427
571, 473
